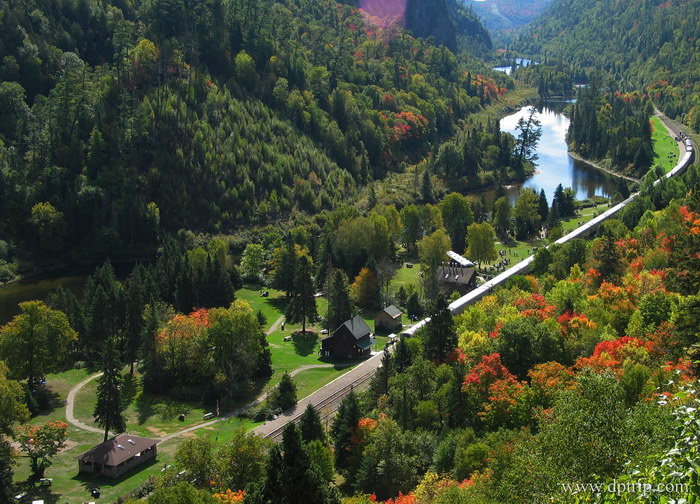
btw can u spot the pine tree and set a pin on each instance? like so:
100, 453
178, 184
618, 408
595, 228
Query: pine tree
543, 206
302, 306
285, 396
285, 273
402, 357
147, 352
108, 410
426, 190
380, 381
609, 258
310, 425
343, 428
340, 307
440, 337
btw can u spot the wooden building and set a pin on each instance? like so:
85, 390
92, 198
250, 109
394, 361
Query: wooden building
118, 455
388, 319
456, 273
352, 340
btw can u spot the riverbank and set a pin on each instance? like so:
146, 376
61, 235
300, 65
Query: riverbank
609, 171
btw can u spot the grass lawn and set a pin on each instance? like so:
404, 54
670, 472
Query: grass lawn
665, 146
272, 306
147, 414
405, 276
519, 250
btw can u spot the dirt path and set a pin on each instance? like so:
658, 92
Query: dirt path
274, 326
70, 401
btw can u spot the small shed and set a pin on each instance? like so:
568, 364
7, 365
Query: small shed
389, 319
352, 340
118, 455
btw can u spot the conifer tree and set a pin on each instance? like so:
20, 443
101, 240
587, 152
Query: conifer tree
402, 357
310, 425
440, 337
302, 306
340, 307
344, 426
543, 206
285, 278
108, 412
285, 396
426, 189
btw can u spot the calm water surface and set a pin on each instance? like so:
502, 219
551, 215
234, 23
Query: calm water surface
554, 165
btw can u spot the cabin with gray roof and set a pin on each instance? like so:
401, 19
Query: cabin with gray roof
352, 340
118, 455
388, 319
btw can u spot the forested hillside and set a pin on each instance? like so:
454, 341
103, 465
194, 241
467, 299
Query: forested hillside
121, 119
645, 44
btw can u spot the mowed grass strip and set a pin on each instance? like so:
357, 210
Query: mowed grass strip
665, 146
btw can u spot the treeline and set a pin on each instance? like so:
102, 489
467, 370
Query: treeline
647, 44
613, 126
122, 121
600, 347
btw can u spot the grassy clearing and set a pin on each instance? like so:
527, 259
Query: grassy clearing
516, 251
272, 306
665, 146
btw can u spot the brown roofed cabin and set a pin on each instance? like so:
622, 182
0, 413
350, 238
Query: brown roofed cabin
389, 319
118, 455
352, 340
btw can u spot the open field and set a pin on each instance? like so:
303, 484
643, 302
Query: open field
665, 146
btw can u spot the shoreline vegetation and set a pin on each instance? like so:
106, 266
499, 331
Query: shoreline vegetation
598, 166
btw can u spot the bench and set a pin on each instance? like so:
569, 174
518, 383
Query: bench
208, 416
46, 482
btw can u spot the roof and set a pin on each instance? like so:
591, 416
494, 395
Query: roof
357, 327
117, 450
392, 311
462, 261
364, 343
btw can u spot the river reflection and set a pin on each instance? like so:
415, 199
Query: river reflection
554, 165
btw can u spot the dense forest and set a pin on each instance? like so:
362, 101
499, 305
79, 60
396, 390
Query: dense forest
647, 44
615, 127
122, 120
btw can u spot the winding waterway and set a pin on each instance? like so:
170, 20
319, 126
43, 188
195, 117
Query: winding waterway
555, 166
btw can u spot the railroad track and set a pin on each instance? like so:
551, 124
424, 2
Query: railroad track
328, 405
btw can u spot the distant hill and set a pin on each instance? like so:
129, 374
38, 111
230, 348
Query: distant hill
503, 15
650, 44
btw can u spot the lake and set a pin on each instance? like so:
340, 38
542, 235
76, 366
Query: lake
523, 62
555, 166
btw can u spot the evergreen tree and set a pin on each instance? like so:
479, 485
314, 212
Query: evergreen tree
108, 409
285, 395
543, 206
285, 278
380, 381
609, 259
340, 307
147, 352
440, 336
343, 428
274, 488
102, 304
426, 188
403, 358
302, 306
310, 425
264, 365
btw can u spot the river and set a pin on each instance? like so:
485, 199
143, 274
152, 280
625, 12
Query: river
555, 166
